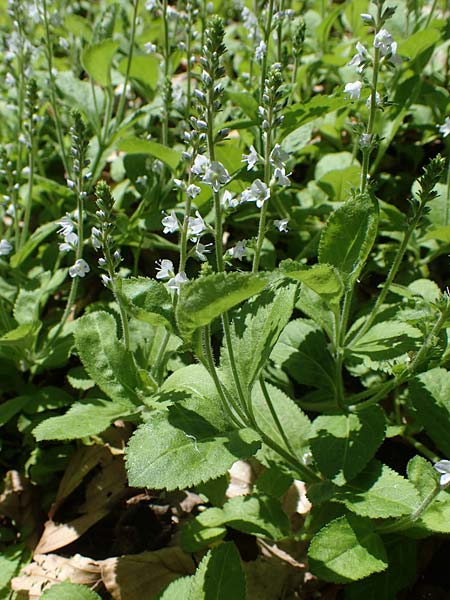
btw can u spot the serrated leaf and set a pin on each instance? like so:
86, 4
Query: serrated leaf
255, 329
304, 112
342, 445
163, 456
69, 591
402, 571
134, 145
180, 588
295, 423
97, 60
430, 396
347, 549
255, 515
104, 357
386, 340
85, 418
302, 351
148, 300
324, 280
79, 379
204, 299
379, 492
348, 237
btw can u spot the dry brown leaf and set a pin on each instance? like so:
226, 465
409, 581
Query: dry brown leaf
242, 478
58, 535
19, 502
142, 576
270, 550
108, 486
48, 569
295, 500
269, 578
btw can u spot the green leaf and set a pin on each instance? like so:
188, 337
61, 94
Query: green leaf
10, 560
11, 407
180, 588
255, 329
97, 60
347, 549
246, 102
35, 240
348, 237
429, 394
163, 455
79, 379
22, 336
304, 112
379, 492
302, 351
339, 183
204, 299
386, 340
81, 95
144, 68
85, 418
343, 444
294, 422
148, 300
105, 359
402, 571
324, 280
255, 515
418, 42
69, 591
134, 145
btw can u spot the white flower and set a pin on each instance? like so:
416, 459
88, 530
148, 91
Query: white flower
360, 57
196, 226
367, 18
5, 248
280, 177
67, 225
105, 279
251, 159
193, 191
278, 157
445, 127
216, 175
281, 225
176, 282
353, 90
150, 48
238, 251
96, 235
201, 250
165, 269
260, 51
369, 99
151, 4
79, 268
70, 242
228, 201
443, 468
383, 40
170, 223
258, 192
10, 80
200, 164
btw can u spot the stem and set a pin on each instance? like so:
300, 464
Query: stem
370, 125
263, 214
267, 31
165, 123
121, 107
431, 13
160, 355
421, 448
274, 415
31, 165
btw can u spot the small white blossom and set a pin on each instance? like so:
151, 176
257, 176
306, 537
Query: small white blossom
251, 159
367, 18
105, 279
258, 192
150, 48
170, 223
238, 251
67, 225
70, 242
176, 282
260, 51
79, 268
280, 177
443, 468
200, 164
95, 238
216, 175
377, 99
278, 157
353, 90
383, 40
196, 226
281, 225
201, 250
360, 57
193, 190
444, 129
10, 80
5, 248
157, 166
228, 201
151, 4
165, 269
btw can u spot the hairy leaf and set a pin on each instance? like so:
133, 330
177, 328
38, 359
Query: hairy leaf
347, 549
148, 300
324, 280
69, 591
104, 357
343, 444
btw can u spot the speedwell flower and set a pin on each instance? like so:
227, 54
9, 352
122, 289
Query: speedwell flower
443, 468
281, 225
258, 192
216, 175
79, 268
444, 129
170, 223
5, 247
165, 269
353, 90
251, 159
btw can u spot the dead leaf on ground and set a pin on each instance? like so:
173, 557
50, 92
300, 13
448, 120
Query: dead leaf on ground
242, 478
48, 569
19, 502
139, 576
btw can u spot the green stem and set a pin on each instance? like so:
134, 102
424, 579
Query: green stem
121, 107
273, 412
165, 123
267, 31
27, 216
370, 125
421, 448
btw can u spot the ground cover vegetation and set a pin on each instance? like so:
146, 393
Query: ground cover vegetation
224, 313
